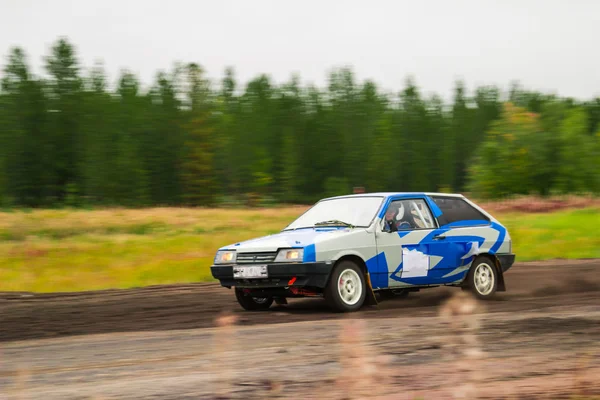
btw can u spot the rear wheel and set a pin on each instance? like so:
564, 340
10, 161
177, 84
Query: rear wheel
252, 303
483, 278
346, 290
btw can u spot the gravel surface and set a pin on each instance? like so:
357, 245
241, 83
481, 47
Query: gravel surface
540, 339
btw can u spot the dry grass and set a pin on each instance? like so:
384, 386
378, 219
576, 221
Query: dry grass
534, 204
62, 250
61, 224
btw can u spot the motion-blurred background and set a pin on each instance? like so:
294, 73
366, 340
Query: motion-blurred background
153, 103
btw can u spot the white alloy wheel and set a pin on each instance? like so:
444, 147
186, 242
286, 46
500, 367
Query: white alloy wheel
484, 279
346, 289
350, 287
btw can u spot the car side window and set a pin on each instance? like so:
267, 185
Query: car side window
408, 214
455, 209
421, 214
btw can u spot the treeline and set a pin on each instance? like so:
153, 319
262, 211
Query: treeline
70, 139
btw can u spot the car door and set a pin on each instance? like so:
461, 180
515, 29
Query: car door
463, 233
389, 252
414, 250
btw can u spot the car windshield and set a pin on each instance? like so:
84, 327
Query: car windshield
343, 211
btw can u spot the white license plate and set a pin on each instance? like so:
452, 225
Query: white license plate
250, 272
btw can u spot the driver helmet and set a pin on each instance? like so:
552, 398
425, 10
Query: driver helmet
394, 212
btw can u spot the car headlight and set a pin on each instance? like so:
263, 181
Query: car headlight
225, 257
289, 255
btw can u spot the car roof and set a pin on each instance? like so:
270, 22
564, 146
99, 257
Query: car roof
393, 194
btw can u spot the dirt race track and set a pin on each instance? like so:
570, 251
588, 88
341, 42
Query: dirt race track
540, 339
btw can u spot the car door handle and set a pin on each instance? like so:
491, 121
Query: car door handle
439, 237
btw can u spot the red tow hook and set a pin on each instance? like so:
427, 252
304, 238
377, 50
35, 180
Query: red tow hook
291, 281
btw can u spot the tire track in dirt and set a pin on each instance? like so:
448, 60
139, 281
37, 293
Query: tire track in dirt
530, 286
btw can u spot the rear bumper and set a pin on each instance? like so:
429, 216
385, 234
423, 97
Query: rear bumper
314, 275
506, 261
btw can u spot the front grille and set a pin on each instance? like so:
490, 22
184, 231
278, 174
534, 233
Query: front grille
256, 258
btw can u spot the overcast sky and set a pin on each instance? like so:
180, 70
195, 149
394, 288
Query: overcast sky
547, 45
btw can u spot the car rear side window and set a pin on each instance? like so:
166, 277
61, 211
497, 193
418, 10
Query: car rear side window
455, 209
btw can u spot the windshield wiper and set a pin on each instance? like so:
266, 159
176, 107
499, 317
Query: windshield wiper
334, 222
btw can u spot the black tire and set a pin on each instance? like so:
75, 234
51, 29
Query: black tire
483, 278
250, 303
355, 282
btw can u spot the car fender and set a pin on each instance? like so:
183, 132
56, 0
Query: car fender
348, 252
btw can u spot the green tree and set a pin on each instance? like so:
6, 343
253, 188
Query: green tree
413, 140
198, 173
257, 140
98, 127
452, 155
163, 141
384, 166
25, 155
197, 169
578, 162
65, 94
503, 164
227, 134
70, 140
593, 111
290, 123
131, 179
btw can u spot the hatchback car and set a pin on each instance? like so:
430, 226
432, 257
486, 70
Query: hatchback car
348, 248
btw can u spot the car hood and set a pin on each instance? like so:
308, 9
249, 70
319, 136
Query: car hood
297, 238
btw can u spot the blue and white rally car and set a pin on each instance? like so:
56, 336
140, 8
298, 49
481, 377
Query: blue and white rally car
347, 248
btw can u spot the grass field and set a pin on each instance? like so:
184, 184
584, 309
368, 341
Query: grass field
71, 250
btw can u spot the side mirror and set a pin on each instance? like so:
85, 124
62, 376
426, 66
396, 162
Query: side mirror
384, 226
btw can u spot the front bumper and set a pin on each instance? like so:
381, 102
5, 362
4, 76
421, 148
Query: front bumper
314, 274
506, 261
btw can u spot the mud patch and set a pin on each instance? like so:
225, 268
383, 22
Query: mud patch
546, 325
572, 286
189, 306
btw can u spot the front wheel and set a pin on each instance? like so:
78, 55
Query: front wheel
483, 278
346, 290
250, 303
